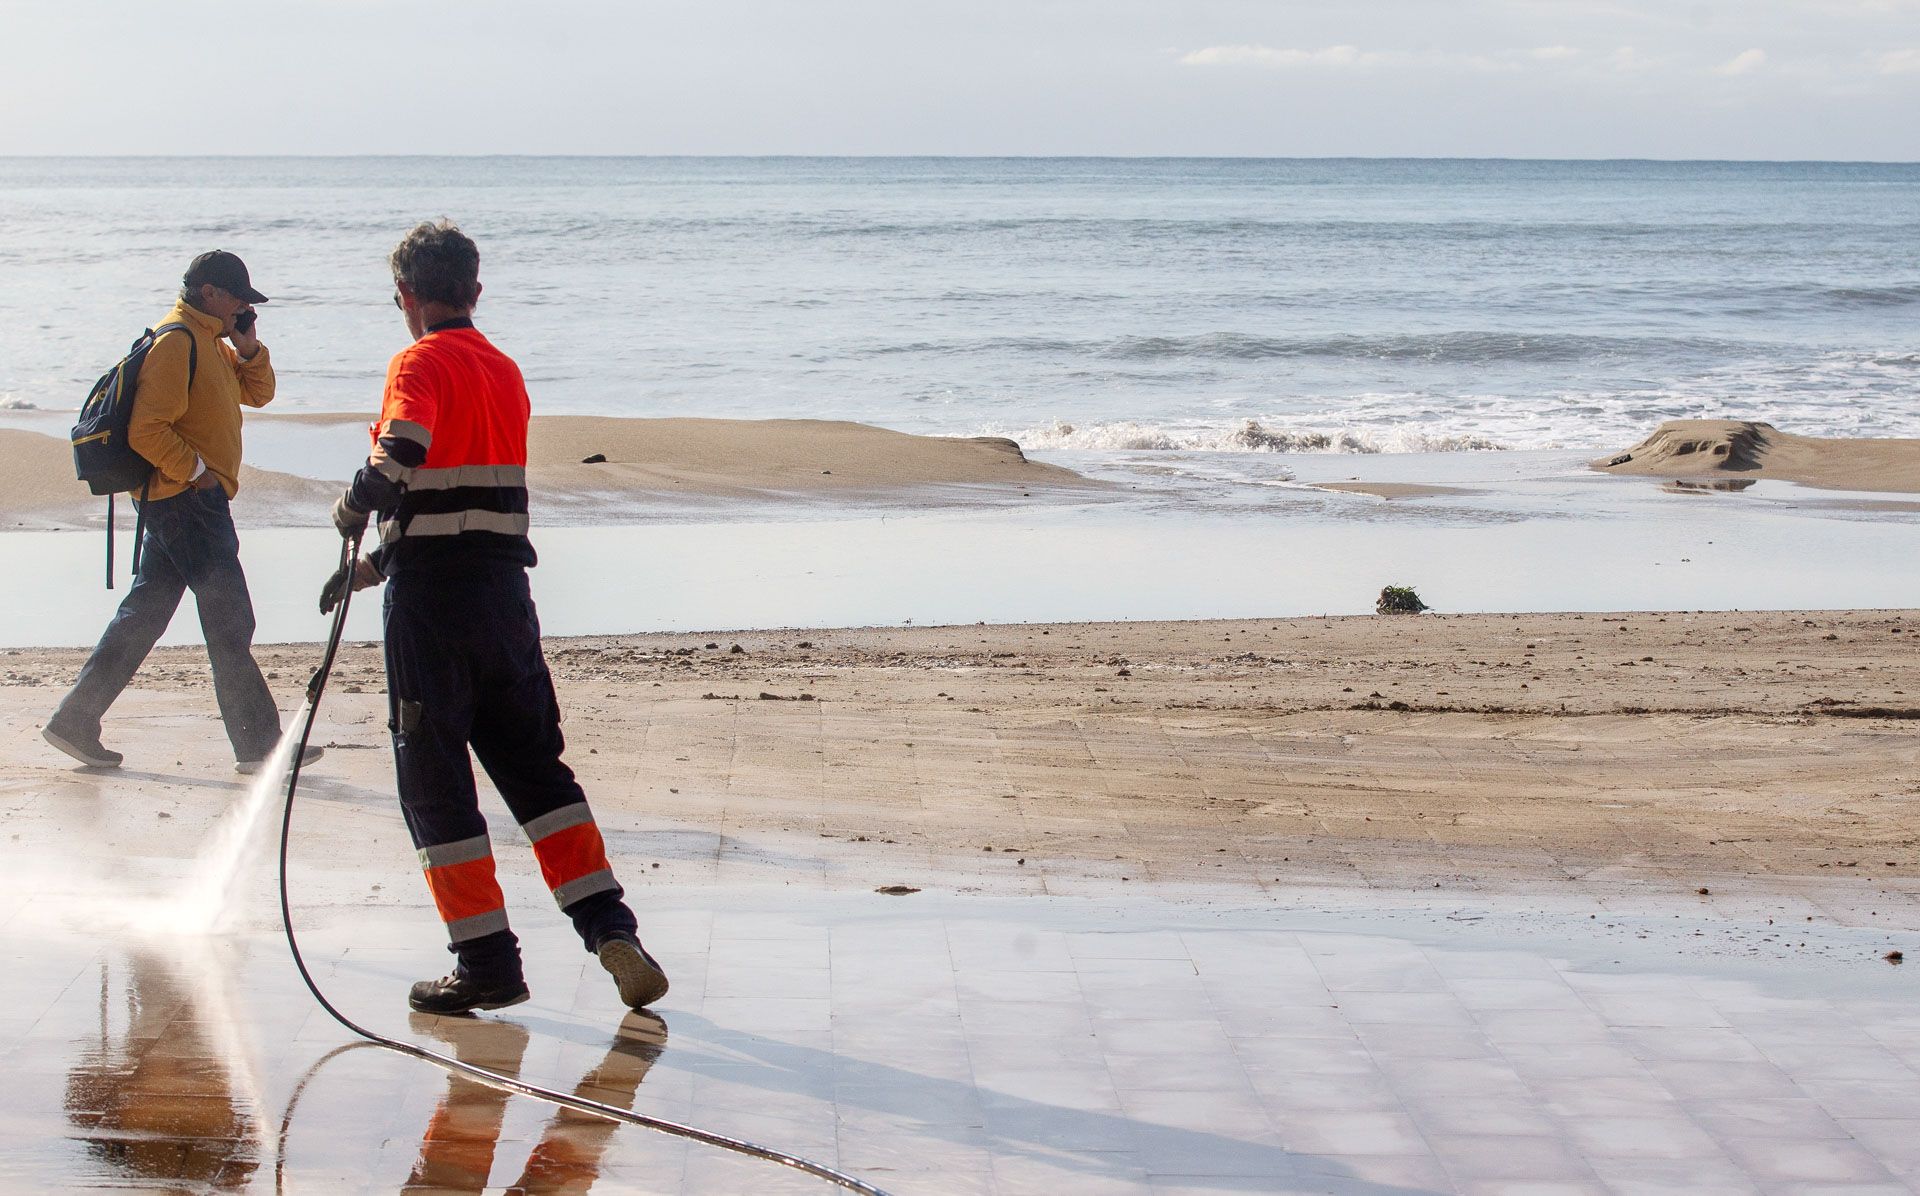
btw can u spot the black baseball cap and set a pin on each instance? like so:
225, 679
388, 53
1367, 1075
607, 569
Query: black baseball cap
225, 271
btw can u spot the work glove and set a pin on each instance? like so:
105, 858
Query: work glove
358, 575
350, 520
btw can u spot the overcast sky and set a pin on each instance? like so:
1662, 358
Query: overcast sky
1525, 78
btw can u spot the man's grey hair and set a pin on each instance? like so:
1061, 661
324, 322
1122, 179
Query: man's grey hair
439, 264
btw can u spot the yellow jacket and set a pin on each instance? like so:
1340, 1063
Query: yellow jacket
172, 426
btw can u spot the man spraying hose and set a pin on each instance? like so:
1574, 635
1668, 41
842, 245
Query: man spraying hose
464, 666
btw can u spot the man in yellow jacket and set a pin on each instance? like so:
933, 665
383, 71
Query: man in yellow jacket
186, 422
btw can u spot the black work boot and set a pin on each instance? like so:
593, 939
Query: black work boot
636, 974
461, 992
82, 745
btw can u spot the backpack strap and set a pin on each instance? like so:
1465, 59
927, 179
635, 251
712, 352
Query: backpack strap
193, 346
140, 508
139, 529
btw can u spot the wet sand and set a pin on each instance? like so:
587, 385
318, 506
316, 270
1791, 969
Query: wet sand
1491, 752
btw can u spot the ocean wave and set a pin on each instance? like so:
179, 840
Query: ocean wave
1284, 230
1871, 296
1463, 348
1247, 436
16, 403
1450, 348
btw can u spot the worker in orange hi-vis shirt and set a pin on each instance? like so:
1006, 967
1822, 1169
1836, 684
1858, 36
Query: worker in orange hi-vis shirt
448, 475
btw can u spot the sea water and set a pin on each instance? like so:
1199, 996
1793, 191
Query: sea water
1091, 305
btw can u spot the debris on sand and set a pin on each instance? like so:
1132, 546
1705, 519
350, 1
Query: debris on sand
896, 890
1398, 600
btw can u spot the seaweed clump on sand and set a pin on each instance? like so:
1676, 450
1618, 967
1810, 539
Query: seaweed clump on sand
1398, 600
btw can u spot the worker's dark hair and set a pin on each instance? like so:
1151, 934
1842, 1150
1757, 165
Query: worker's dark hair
439, 263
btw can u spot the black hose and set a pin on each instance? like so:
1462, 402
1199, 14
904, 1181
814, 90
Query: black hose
349, 554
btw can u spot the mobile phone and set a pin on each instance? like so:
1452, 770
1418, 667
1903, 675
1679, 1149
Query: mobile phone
244, 321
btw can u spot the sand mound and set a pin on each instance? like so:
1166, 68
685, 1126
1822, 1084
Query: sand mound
38, 478
641, 461
38, 489
1704, 448
730, 458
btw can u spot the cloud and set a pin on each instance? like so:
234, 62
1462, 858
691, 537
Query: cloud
1628, 60
1552, 53
1268, 56
1744, 63
1900, 62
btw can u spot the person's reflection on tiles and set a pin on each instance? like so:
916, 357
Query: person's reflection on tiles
457, 1152
152, 1098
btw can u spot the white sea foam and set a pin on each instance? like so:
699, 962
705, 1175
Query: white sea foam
1244, 436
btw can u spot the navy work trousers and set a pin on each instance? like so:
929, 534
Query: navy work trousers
189, 544
465, 670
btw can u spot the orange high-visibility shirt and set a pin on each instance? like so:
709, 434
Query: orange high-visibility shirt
448, 471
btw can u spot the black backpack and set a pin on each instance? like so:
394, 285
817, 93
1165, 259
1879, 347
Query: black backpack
101, 455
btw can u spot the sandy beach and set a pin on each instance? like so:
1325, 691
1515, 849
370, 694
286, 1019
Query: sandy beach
1542, 756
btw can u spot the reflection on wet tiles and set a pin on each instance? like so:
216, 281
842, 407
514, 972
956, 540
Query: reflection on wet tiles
457, 1152
148, 1096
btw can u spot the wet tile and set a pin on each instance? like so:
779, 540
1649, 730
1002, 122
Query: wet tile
1162, 945
1064, 1087
1041, 1019
1353, 1133
1304, 1056
1813, 1062
1790, 1117
1825, 1160
1243, 1017
1472, 1159
1665, 1137
1018, 1127
1476, 1115
1713, 1079
1095, 1173
1663, 1177
1290, 1092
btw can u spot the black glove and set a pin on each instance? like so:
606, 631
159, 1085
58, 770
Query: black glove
336, 588
350, 520
353, 576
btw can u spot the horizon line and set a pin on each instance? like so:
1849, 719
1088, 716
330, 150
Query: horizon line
1604, 159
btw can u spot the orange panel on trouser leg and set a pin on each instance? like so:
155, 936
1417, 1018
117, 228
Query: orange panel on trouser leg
573, 861
567, 855
465, 894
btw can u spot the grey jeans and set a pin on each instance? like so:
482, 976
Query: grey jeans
190, 544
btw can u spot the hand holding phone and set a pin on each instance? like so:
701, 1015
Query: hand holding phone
242, 334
